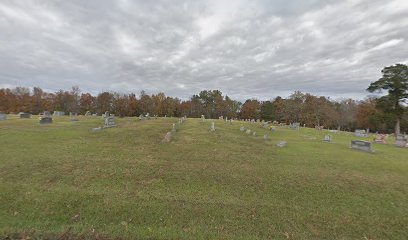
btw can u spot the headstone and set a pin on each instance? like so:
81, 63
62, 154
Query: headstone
106, 114
380, 138
3, 116
265, 137
147, 116
361, 145
242, 128
248, 131
58, 113
45, 119
167, 137
333, 131
282, 144
88, 113
327, 138
109, 122
360, 133
46, 114
25, 115
212, 129
254, 134
202, 118
141, 117
221, 118
73, 117
273, 128
401, 141
294, 126
318, 127
174, 127
96, 129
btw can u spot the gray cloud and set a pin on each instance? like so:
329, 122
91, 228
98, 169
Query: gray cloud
244, 48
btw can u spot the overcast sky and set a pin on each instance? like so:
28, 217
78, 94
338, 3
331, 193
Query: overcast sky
246, 49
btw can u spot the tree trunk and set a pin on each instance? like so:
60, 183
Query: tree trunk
397, 127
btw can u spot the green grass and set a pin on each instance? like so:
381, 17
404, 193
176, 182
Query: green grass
203, 185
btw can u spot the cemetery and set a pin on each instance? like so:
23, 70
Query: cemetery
135, 168
173, 120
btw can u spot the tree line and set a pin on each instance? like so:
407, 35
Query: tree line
382, 114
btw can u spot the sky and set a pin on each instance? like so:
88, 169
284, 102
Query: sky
247, 49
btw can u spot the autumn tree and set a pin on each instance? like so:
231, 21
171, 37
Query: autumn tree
37, 101
251, 109
104, 102
86, 102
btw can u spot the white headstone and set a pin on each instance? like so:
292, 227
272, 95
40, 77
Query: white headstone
282, 144
167, 137
327, 138
212, 127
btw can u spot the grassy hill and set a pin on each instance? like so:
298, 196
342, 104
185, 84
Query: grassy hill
124, 182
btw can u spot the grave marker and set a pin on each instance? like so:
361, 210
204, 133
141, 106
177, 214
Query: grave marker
96, 129
109, 122
360, 133
58, 113
46, 118
167, 137
282, 144
380, 138
362, 146
327, 138
294, 126
73, 117
3, 116
401, 141
25, 115
212, 129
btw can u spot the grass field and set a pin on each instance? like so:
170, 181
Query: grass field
123, 182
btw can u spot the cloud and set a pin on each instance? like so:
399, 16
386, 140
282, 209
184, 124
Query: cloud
259, 48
